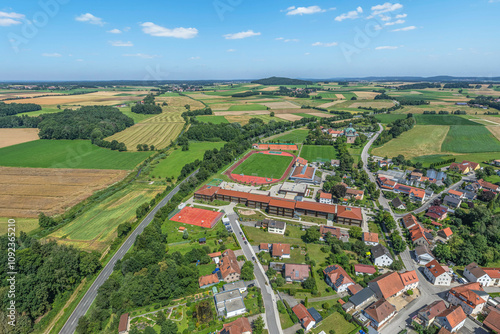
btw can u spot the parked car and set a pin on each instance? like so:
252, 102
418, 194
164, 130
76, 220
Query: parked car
246, 242
241, 233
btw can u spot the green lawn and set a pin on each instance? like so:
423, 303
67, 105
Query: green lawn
212, 119
470, 139
296, 136
247, 107
68, 154
318, 153
172, 165
264, 165
336, 322
257, 235
45, 110
442, 120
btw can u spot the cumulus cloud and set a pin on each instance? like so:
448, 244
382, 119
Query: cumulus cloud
155, 30
385, 8
304, 10
286, 40
53, 55
140, 55
241, 35
9, 19
386, 47
89, 18
406, 28
115, 31
395, 22
325, 44
401, 16
121, 43
354, 14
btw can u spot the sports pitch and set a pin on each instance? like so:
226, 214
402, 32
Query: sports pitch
264, 165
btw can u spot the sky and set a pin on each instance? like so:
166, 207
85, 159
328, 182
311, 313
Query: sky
243, 39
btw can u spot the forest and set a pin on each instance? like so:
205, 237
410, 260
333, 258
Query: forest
17, 108
396, 128
148, 106
281, 81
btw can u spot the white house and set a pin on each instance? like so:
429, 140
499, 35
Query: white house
275, 226
370, 239
474, 273
325, 198
452, 318
381, 256
380, 313
337, 278
470, 296
436, 274
423, 254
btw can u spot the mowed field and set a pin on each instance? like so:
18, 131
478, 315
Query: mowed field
96, 228
320, 153
22, 225
264, 165
10, 137
28, 191
80, 154
295, 136
470, 139
158, 130
172, 165
442, 120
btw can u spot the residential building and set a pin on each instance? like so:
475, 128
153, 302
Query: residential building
437, 212
428, 314
419, 235
398, 204
230, 271
337, 278
464, 167
456, 193
364, 269
409, 279
386, 183
383, 163
264, 247
229, 303
488, 186
452, 318
355, 194
494, 274
387, 285
123, 324
240, 285
492, 321
436, 274
274, 226
208, 280
354, 289
239, 326
409, 221
334, 232
470, 296
363, 298
446, 233
423, 254
306, 319
281, 251
474, 273
300, 161
470, 195
381, 256
452, 202
380, 313
417, 195
296, 272
472, 187
325, 198
370, 239
349, 215
335, 162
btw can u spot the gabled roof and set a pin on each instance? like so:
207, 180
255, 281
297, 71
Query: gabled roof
397, 202
208, 279
389, 284
450, 199
475, 270
263, 246
492, 321
337, 275
239, 326
487, 185
354, 289
423, 249
281, 249
216, 254
433, 310
493, 272
370, 237
122, 326
409, 277
469, 293
313, 206
334, 231
229, 264
379, 250
297, 272
362, 296
303, 314
447, 232
207, 190
325, 195
380, 310
455, 192
409, 220
419, 193
435, 268
304, 172
365, 268
454, 314
282, 203
349, 212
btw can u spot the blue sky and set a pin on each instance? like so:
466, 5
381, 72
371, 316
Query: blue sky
243, 39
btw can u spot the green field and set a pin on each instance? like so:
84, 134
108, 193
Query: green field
45, 110
95, 229
246, 107
318, 153
172, 165
470, 139
388, 118
212, 119
307, 115
68, 154
264, 165
136, 117
442, 120
296, 136
336, 322
22, 224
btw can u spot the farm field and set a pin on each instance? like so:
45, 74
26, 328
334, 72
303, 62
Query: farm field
10, 137
373, 104
212, 119
295, 136
388, 118
442, 120
158, 130
419, 141
239, 107
264, 165
96, 228
28, 191
25, 225
244, 119
136, 117
318, 153
45, 110
172, 165
80, 154
470, 139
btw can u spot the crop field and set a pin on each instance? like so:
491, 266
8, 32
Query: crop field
295, 136
172, 165
158, 130
136, 117
419, 141
374, 104
180, 101
68, 154
388, 118
470, 139
212, 119
28, 191
244, 119
25, 225
10, 137
318, 153
442, 120
281, 105
264, 165
96, 228
238, 107
289, 117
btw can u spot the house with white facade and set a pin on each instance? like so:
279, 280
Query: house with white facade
436, 274
452, 318
337, 278
370, 239
474, 273
380, 313
381, 256
470, 296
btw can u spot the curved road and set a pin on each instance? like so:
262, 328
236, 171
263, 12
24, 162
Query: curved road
87, 300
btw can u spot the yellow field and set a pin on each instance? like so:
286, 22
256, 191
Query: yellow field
158, 130
10, 137
21, 224
180, 101
373, 104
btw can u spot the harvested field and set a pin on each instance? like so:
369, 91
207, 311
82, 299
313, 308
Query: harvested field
180, 101
269, 89
29, 191
244, 119
241, 112
10, 137
495, 130
97, 98
319, 114
289, 117
329, 104
373, 104
293, 111
201, 96
221, 106
340, 96
366, 95
280, 105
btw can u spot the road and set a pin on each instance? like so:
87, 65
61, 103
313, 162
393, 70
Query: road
272, 316
87, 300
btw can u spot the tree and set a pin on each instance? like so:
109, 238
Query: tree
258, 325
280, 281
270, 272
312, 234
397, 265
309, 283
169, 327
271, 114
397, 242
46, 221
185, 235
247, 271
355, 232
59, 106
339, 191
187, 106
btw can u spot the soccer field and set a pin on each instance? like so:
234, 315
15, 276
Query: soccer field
320, 153
264, 165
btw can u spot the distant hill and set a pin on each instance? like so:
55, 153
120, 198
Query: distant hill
281, 81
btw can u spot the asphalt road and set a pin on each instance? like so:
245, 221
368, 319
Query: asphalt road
87, 300
272, 316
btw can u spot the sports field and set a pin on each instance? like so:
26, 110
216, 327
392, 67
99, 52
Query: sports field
470, 139
198, 217
172, 165
264, 165
68, 154
321, 153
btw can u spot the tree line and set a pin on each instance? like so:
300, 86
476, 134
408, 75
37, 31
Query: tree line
8, 109
489, 101
396, 128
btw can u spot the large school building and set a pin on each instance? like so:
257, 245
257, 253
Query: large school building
345, 215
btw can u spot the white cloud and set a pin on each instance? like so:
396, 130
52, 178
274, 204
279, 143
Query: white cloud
115, 31
307, 54
230, 50
385, 8
155, 30
9, 19
354, 14
279, 38
401, 16
395, 22
141, 55
286, 40
194, 58
89, 18
325, 44
406, 28
54, 55
385, 18
378, 27
121, 43
386, 47
304, 10
241, 35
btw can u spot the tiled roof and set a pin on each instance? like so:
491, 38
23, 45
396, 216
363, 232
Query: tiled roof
433, 310
301, 161
313, 206
263, 246
216, 254
325, 195
282, 203
337, 275
207, 190
208, 279
409, 277
370, 237
303, 314
365, 268
122, 326
475, 270
380, 310
352, 191
304, 172
435, 268
454, 314
467, 292
389, 284
239, 326
281, 249
229, 264
297, 272
334, 231
354, 289
420, 193
349, 212
409, 220
492, 321
455, 192
447, 232
379, 250
493, 272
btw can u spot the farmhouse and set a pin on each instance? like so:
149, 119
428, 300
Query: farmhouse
436, 274
337, 278
393, 284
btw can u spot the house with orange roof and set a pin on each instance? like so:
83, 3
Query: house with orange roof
264, 247
281, 251
306, 319
229, 267
437, 212
355, 194
386, 183
337, 278
300, 162
428, 313
380, 313
471, 297
446, 233
436, 274
417, 195
494, 274
456, 193
325, 198
239, 326
464, 167
492, 321
409, 221
303, 174
387, 285
215, 257
364, 269
409, 279
452, 318
488, 186
370, 239
419, 236
349, 215
208, 280
206, 193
